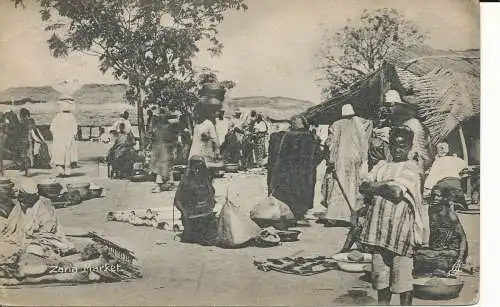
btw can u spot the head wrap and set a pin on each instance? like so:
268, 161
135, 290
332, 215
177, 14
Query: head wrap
451, 189
29, 187
392, 97
348, 110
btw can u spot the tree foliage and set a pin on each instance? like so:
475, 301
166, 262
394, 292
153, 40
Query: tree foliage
360, 47
149, 43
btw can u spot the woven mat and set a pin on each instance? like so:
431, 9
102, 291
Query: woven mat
298, 266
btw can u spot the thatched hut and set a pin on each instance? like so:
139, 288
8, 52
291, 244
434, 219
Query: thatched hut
443, 84
28, 94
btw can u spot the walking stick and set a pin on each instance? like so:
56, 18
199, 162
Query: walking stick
342, 191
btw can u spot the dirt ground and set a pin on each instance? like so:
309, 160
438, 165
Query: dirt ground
186, 274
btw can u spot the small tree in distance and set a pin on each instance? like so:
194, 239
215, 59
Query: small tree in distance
360, 47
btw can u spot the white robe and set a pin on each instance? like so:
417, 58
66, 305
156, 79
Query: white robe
64, 129
204, 148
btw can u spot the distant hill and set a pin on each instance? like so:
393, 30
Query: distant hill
101, 93
28, 94
275, 107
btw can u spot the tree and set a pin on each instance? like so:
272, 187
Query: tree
360, 47
149, 43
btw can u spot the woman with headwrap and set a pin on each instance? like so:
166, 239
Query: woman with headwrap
292, 161
195, 199
260, 136
448, 242
164, 135
122, 154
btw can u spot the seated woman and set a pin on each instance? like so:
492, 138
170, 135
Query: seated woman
448, 242
195, 199
122, 154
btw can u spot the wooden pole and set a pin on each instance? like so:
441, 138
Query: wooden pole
464, 145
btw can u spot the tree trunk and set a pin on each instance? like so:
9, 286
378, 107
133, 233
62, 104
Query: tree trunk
140, 118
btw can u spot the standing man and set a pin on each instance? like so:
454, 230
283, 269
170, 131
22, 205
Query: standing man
221, 126
397, 220
64, 129
347, 161
404, 113
232, 148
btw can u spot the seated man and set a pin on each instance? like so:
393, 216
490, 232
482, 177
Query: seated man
448, 242
34, 219
396, 221
443, 166
122, 155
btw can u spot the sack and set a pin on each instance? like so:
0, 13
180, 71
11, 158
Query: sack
234, 229
272, 208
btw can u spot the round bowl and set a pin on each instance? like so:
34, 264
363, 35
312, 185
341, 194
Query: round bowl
352, 266
232, 167
50, 190
437, 288
289, 235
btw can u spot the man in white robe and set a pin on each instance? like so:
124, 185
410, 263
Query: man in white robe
346, 164
64, 129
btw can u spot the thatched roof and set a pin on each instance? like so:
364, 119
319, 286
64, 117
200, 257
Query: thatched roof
445, 85
100, 93
32, 94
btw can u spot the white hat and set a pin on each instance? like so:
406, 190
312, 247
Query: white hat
392, 97
28, 186
347, 110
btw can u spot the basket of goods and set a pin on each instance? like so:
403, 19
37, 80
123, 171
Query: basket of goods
82, 188
231, 167
437, 288
273, 213
95, 191
49, 189
353, 262
212, 90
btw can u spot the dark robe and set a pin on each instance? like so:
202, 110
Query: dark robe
122, 155
292, 180
195, 199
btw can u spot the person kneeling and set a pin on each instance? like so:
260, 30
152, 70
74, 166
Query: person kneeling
195, 199
448, 243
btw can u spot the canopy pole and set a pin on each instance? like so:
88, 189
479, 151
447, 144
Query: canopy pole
464, 145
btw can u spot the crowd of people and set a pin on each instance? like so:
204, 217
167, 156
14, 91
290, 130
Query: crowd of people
382, 177
382, 180
23, 143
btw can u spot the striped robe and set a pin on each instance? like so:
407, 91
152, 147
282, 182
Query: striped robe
397, 227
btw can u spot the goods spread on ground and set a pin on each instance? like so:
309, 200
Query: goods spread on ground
161, 218
56, 259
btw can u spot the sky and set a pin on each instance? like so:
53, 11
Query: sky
269, 50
